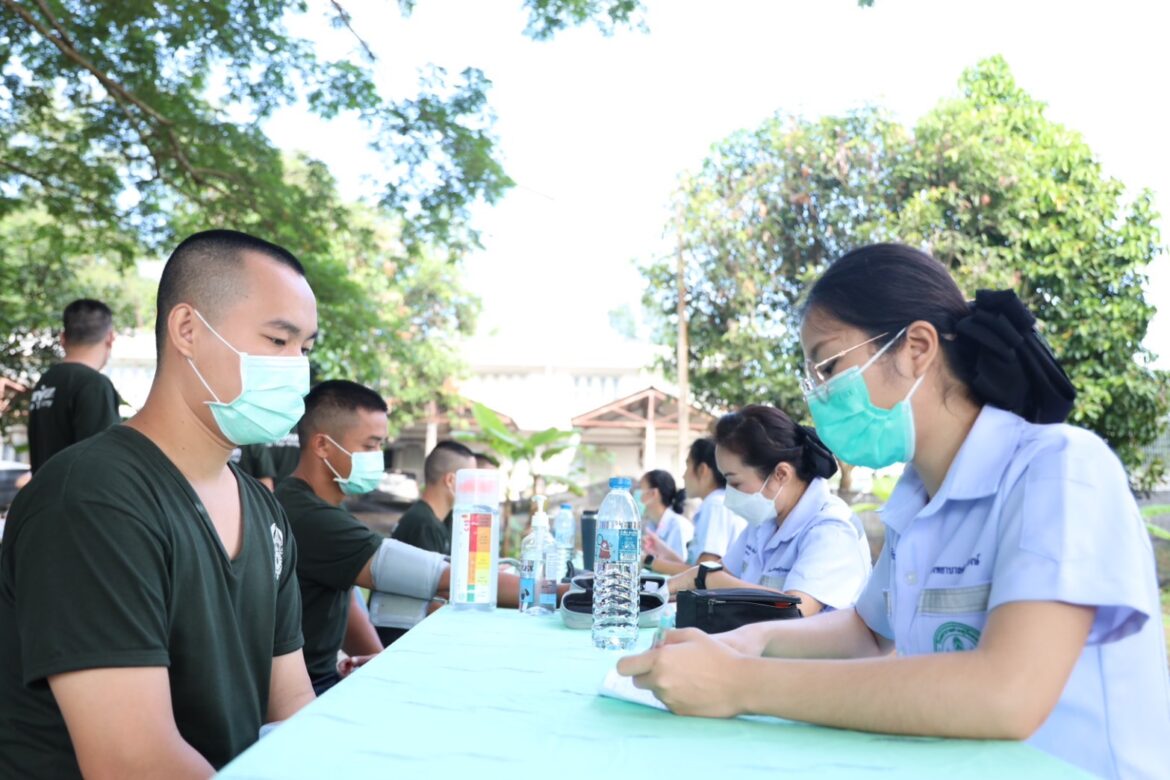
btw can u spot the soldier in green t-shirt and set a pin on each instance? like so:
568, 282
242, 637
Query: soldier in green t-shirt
342, 435
73, 400
149, 608
272, 463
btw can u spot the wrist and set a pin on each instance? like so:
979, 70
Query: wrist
745, 682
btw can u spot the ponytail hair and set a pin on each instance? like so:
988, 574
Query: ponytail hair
764, 436
672, 496
990, 345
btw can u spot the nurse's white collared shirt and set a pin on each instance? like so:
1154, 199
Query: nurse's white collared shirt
716, 527
1036, 513
819, 549
675, 530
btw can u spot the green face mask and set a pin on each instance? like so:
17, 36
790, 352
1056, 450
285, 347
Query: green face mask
638, 501
365, 471
858, 432
271, 399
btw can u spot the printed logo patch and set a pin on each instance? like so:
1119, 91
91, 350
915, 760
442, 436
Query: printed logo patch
278, 551
952, 637
42, 398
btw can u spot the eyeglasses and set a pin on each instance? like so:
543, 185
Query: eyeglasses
813, 380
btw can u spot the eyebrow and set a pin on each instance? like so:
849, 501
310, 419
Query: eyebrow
814, 354
289, 328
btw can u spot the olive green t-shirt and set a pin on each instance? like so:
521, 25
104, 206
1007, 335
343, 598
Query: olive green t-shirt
110, 560
421, 527
70, 403
276, 461
332, 549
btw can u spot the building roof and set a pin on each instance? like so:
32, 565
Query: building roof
649, 406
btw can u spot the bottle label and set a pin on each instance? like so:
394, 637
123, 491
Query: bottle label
617, 545
548, 594
528, 594
477, 529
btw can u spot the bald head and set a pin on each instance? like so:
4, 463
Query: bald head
208, 271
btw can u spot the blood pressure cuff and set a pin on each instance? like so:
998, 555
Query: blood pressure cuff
404, 570
406, 579
725, 609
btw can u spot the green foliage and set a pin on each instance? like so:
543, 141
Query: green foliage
127, 125
986, 182
533, 450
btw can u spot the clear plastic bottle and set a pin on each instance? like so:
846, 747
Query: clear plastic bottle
475, 533
565, 533
538, 560
616, 564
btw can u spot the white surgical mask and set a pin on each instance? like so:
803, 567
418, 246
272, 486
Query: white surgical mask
756, 508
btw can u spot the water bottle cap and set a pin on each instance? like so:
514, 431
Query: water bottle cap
621, 483
567, 506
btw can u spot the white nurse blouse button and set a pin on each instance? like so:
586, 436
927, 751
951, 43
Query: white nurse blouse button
911, 578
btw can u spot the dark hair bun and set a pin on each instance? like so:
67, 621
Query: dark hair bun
815, 456
1010, 365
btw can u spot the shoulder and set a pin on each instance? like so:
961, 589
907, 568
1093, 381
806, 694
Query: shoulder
1066, 453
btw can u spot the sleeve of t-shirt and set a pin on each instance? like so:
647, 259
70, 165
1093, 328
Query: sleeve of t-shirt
1070, 531
722, 531
94, 409
829, 566
287, 636
333, 547
92, 583
672, 537
256, 461
873, 604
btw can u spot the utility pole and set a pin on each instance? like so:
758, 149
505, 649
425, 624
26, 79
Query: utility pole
684, 384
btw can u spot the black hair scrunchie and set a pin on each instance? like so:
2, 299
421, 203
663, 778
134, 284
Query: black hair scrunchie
1011, 365
815, 456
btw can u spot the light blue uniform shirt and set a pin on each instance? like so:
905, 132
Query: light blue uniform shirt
819, 549
716, 527
675, 530
1036, 513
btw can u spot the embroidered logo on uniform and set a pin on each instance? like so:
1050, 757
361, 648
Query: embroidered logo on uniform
957, 569
278, 551
953, 637
42, 399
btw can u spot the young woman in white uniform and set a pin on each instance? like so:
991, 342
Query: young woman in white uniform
664, 503
1015, 597
801, 539
716, 526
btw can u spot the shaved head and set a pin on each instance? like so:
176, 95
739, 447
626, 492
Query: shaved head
446, 458
331, 407
207, 271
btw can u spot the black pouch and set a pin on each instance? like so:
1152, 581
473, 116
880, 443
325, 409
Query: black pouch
724, 609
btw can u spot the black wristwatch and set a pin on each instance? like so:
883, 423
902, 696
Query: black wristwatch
648, 562
706, 568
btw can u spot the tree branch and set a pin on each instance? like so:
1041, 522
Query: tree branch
346, 19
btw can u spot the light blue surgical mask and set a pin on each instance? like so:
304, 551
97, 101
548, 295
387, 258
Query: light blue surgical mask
271, 399
638, 501
365, 470
756, 508
857, 431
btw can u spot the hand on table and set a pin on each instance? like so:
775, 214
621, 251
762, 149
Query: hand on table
652, 544
691, 673
347, 666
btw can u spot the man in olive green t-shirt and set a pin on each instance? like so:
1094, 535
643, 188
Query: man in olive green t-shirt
73, 400
272, 463
149, 609
420, 524
342, 435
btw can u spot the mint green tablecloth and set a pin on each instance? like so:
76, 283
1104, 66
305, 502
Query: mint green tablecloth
500, 695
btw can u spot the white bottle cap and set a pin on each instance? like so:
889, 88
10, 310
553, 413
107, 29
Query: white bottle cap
540, 519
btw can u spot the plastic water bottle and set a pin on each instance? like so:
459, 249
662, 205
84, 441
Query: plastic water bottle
538, 558
565, 531
475, 533
616, 564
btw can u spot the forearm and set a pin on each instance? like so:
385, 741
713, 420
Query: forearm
943, 695
720, 579
669, 568
174, 758
361, 638
839, 634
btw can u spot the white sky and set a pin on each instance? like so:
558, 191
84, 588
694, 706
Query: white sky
596, 130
